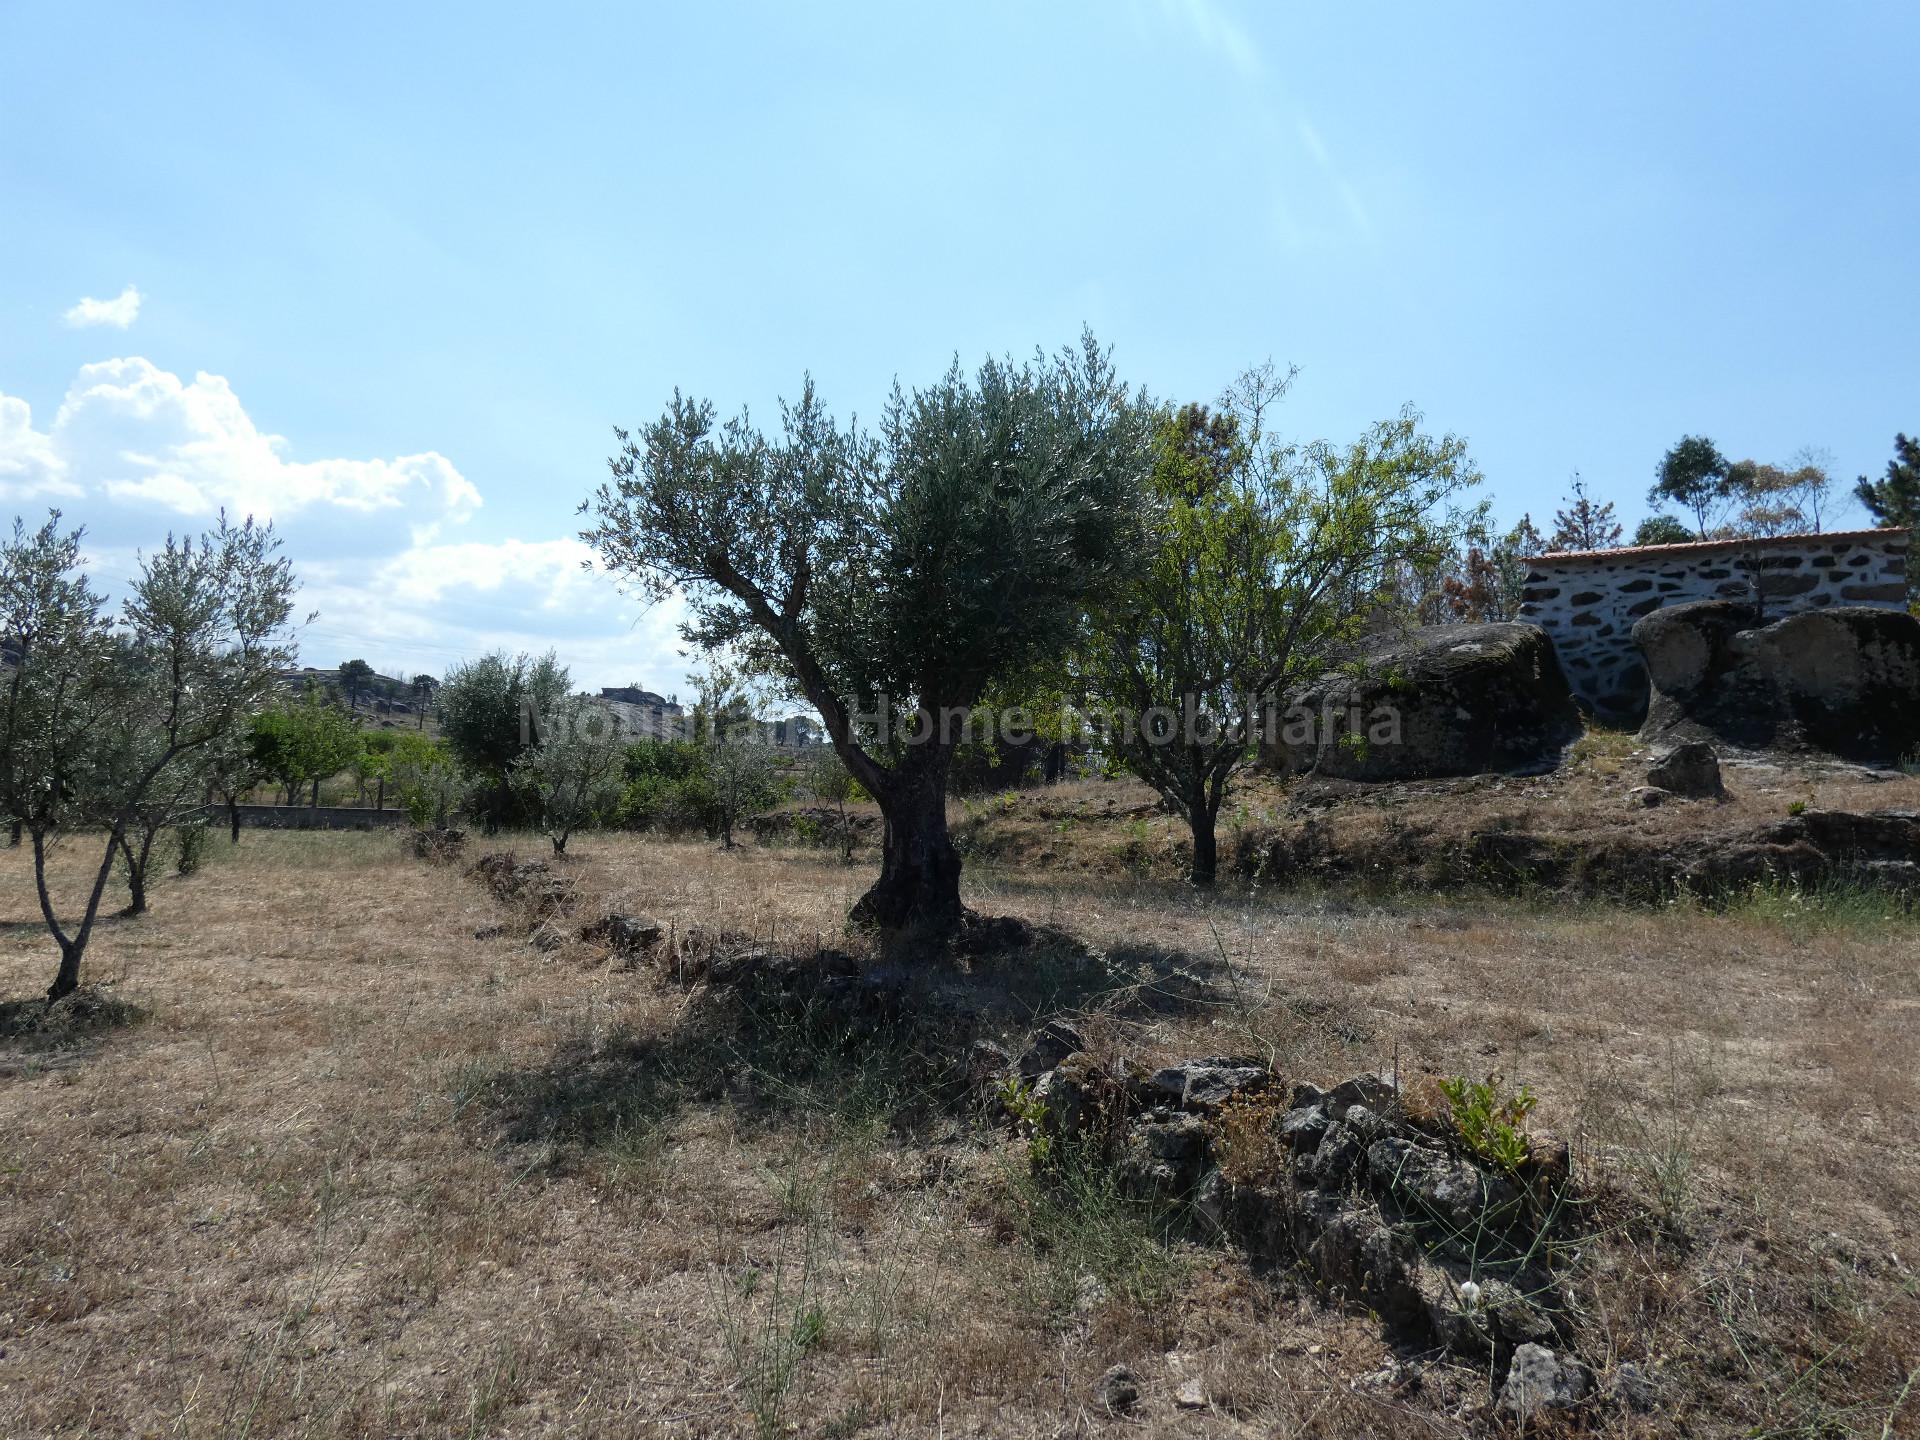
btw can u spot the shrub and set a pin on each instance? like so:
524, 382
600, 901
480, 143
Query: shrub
1489, 1122
190, 841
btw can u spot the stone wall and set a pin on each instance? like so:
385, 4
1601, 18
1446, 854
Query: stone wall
310, 817
1588, 602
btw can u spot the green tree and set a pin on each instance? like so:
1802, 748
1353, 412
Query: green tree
902, 571
1693, 476
298, 743
423, 687
1894, 499
1767, 500
427, 783
1663, 530
739, 768
354, 675
1264, 562
573, 776
830, 783
492, 711
102, 715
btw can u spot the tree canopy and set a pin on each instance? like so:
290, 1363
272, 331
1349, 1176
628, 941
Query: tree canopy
1692, 476
1584, 523
1894, 499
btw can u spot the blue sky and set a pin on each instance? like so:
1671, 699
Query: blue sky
399, 268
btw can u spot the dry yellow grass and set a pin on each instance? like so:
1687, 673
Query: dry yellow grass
360, 1173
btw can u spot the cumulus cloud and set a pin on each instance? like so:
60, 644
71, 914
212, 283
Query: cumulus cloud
30, 467
163, 450
134, 451
119, 312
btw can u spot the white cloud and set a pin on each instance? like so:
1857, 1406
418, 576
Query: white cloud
119, 312
134, 451
163, 450
30, 467
434, 604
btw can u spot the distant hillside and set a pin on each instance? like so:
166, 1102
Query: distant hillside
377, 695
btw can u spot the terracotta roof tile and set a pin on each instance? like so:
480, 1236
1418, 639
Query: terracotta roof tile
1691, 546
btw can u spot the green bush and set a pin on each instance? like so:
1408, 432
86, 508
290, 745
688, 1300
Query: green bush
1491, 1123
190, 842
660, 802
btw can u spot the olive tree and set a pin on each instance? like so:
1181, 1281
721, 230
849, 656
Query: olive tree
1264, 561
830, 782
577, 770
894, 573
100, 714
491, 713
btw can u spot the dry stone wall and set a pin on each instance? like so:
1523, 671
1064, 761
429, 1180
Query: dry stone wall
1588, 602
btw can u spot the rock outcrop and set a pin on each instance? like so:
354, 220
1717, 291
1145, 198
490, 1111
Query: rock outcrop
1440, 700
1844, 680
1690, 769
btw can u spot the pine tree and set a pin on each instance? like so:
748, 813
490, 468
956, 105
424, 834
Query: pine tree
1583, 525
1895, 501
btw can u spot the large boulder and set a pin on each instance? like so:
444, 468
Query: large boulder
1436, 701
1845, 680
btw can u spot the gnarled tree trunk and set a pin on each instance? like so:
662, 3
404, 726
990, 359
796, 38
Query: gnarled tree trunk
919, 884
72, 947
1206, 849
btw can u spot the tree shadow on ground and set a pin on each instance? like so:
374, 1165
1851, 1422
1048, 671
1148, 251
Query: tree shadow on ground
881, 1044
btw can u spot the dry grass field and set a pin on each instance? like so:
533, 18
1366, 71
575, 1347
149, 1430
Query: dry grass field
352, 1170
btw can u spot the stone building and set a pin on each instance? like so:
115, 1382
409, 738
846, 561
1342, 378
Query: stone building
1587, 601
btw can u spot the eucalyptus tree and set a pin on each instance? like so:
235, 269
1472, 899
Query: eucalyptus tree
1265, 562
103, 715
890, 574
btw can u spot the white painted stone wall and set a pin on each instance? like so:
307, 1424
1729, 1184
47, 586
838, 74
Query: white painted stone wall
1588, 602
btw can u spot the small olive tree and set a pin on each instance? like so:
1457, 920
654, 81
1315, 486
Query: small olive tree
830, 782
576, 773
100, 715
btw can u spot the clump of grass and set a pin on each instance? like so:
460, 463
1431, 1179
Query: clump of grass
771, 1317
1247, 1138
1603, 750
1082, 1224
1822, 905
1490, 1120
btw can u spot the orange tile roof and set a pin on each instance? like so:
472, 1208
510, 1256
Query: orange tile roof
1626, 551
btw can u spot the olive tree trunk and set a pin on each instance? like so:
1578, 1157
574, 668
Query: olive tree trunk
137, 857
1206, 848
919, 884
72, 947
